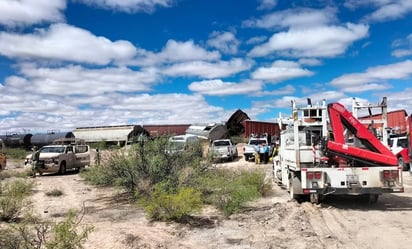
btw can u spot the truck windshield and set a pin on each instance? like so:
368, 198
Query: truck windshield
174, 146
257, 141
221, 143
52, 150
403, 142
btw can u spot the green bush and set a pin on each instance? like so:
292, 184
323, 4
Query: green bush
143, 165
229, 190
33, 232
13, 198
66, 234
16, 153
162, 205
97, 175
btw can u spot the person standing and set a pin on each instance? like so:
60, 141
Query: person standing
35, 160
257, 154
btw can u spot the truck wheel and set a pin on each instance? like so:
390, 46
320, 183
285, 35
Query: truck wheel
401, 163
314, 198
246, 158
62, 169
373, 198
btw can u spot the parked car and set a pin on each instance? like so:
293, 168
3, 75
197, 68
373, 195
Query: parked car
399, 146
61, 157
224, 149
181, 143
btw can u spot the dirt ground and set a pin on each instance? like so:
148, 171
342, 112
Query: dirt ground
270, 222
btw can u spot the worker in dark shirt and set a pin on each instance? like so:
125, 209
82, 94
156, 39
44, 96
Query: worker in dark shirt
35, 161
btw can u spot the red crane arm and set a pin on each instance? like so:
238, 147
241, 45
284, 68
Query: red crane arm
341, 119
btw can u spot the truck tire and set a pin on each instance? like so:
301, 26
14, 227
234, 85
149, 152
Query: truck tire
62, 169
401, 163
372, 198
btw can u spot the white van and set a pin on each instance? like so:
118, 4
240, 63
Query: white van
180, 143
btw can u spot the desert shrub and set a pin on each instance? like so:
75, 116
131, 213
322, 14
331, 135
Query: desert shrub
66, 234
54, 192
229, 190
31, 232
237, 139
164, 205
34, 232
97, 175
16, 153
15, 173
13, 198
142, 165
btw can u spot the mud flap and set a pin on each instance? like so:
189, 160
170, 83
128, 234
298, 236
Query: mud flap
295, 188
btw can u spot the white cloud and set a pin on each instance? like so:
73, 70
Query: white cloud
403, 47
67, 113
299, 18
326, 41
206, 69
286, 90
27, 12
280, 71
267, 4
63, 42
256, 40
316, 98
401, 52
310, 62
389, 10
130, 6
224, 41
76, 80
374, 77
175, 51
220, 88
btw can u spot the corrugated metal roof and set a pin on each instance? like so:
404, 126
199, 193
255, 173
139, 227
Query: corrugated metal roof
210, 131
108, 133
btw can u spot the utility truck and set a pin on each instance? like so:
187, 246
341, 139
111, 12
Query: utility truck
325, 150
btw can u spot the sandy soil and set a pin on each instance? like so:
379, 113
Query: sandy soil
270, 222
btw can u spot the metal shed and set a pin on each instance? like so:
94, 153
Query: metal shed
120, 134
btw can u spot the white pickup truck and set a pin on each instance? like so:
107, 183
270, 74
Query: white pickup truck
224, 149
61, 157
249, 148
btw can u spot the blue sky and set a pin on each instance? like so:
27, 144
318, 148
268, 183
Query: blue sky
76, 63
